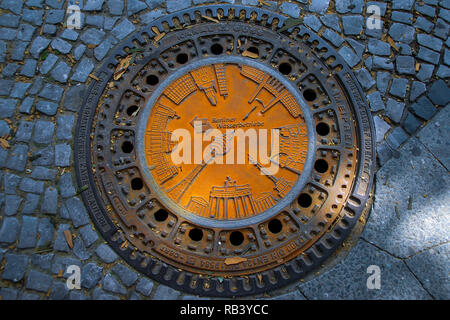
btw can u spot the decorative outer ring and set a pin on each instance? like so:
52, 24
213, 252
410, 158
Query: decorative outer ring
294, 269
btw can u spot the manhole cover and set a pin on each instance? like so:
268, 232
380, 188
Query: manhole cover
222, 156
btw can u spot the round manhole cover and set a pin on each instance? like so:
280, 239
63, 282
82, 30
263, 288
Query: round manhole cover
222, 155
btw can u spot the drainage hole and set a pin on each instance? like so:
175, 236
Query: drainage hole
131, 110
182, 58
322, 129
196, 234
152, 80
309, 95
216, 49
127, 147
137, 184
161, 215
236, 238
254, 50
275, 226
321, 166
285, 68
304, 200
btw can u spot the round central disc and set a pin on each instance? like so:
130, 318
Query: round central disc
226, 141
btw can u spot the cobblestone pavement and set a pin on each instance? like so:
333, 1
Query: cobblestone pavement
45, 67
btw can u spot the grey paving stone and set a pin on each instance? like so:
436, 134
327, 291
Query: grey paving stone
333, 37
91, 275
365, 79
63, 152
77, 212
398, 87
12, 5
102, 50
105, 253
6, 86
428, 55
39, 44
111, 21
69, 34
17, 158
425, 72
88, 235
9, 70
352, 25
293, 295
144, 286
414, 181
384, 153
60, 241
74, 97
176, 5
411, 123
19, 51
50, 201
47, 107
46, 231
382, 63
54, 16
402, 32
123, 29
10, 183
24, 131
112, 285
93, 5
379, 47
152, 4
394, 110
77, 295
36, 86
319, 6
51, 92
8, 294
28, 233
429, 41
31, 185
61, 264
48, 63
29, 296
44, 156
31, 203
127, 276
29, 68
64, 126
15, 267
49, 29
331, 21
2, 51
66, 188
92, 36
402, 4
7, 107
135, 6
423, 24
435, 136
79, 51
59, 291
95, 20
375, 101
405, 65
43, 173
83, 70
134, 296
443, 72
115, 7
9, 230
61, 72
439, 93
12, 204
381, 127
312, 21
431, 268
349, 56
403, 17
353, 6
425, 9
290, 9
165, 293
43, 131
33, 16
348, 280
38, 281
27, 105
25, 32
80, 250
423, 108
43, 261
61, 45
397, 137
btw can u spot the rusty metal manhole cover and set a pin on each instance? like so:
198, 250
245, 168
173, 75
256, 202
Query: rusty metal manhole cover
225, 223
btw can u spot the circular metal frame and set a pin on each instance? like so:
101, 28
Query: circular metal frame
162, 251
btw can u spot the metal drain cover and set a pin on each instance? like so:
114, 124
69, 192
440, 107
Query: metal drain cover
225, 223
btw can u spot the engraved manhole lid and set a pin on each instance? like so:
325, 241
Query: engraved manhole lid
222, 157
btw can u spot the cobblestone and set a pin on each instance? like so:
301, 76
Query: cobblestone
144, 286
28, 233
15, 267
105, 253
38, 281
